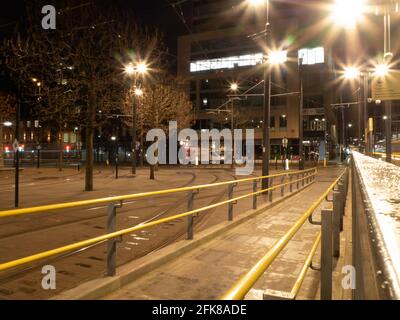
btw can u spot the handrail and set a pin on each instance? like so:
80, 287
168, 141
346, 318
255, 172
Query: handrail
243, 286
92, 241
75, 204
302, 275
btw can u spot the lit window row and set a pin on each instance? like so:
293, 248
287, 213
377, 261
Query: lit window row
312, 56
227, 63
309, 56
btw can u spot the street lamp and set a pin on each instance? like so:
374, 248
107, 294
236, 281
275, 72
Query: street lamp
141, 69
256, 2
234, 87
381, 70
351, 73
274, 58
7, 124
347, 13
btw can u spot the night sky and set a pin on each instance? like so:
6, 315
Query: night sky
157, 13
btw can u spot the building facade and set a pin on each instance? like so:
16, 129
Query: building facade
225, 47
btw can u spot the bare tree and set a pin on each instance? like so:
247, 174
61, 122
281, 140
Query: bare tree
91, 45
163, 101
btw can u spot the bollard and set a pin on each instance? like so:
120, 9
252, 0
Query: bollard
230, 205
283, 187
254, 195
291, 184
326, 255
336, 225
112, 243
341, 203
190, 218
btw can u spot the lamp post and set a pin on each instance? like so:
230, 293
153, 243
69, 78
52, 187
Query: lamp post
267, 97
301, 126
114, 139
16, 146
132, 70
381, 71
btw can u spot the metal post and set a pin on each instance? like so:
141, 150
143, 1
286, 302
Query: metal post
326, 255
301, 128
133, 133
17, 138
291, 184
38, 157
341, 206
298, 182
365, 112
302, 179
116, 165
267, 106
111, 243
336, 224
283, 187
270, 192
190, 218
388, 130
230, 205
255, 195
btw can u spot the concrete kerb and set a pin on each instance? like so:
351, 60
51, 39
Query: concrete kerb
129, 272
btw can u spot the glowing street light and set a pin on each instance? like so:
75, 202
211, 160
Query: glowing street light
7, 124
256, 2
130, 69
351, 73
234, 87
382, 70
347, 13
140, 68
138, 92
277, 57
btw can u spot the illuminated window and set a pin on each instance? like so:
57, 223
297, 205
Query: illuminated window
312, 56
227, 62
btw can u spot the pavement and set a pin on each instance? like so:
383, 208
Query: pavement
208, 271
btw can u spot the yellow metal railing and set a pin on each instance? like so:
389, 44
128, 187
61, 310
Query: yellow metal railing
83, 203
306, 174
302, 275
243, 286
